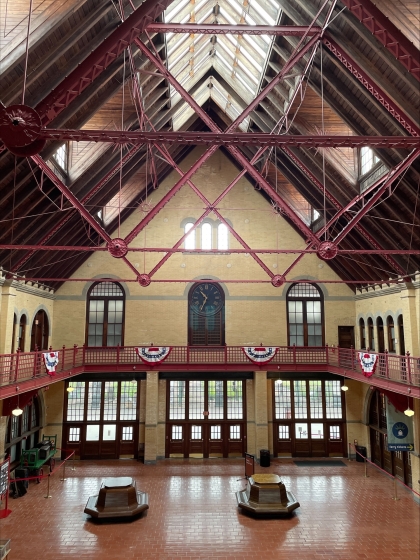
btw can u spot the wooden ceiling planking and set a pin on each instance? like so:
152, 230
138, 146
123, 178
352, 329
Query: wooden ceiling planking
405, 15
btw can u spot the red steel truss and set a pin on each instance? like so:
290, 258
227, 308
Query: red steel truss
386, 33
26, 370
227, 139
223, 29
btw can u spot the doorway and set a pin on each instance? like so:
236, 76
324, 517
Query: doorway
346, 337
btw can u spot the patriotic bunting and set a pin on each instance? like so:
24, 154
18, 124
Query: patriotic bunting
260, 355
153, 354
368, 363
50, 361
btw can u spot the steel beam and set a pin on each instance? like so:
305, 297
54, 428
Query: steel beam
364, 78
386, 33
99, 60
368, 205
136, 137
222, 29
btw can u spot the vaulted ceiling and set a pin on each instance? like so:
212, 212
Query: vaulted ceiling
289, 89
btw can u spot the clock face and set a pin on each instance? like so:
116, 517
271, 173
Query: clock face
206, 299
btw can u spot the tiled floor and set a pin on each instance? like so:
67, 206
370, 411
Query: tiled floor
193, 514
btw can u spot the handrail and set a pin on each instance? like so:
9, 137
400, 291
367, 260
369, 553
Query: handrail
22, 366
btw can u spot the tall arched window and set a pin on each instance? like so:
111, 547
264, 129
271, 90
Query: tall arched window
401, 334
105, 314
371, 334
362, 334
14, 333
305, 315
189, 243
222, 237
22, 333
381, 337
206, 315
206, 235
40, 331
391, 334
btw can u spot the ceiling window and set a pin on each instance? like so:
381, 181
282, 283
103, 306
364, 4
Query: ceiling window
368, 160
60, 157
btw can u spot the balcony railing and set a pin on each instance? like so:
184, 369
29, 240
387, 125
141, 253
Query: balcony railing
28, 368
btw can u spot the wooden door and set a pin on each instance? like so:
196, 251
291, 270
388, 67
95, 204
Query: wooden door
346, 337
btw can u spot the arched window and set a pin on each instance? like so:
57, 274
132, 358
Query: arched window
40, 331
391, 334
206, 235
206, 315
381, 337
22, 333
189, 242
305, 315
222, 237
371, 334
362, 334
401, 334
105, 314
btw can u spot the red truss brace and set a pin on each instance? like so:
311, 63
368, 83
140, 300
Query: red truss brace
216, 29
226, 139
370, 85
99, 59
386, 33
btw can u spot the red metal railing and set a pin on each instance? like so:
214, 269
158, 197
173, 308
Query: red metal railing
28, 368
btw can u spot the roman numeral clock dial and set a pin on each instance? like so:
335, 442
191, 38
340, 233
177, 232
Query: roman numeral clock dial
206, 299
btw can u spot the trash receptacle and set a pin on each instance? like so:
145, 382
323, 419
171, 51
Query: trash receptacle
264, 457
362, 451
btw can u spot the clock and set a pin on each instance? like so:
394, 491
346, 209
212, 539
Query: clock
206, 299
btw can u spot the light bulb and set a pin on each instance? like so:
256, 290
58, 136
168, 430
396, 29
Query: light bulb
409, 412
70, 389
344, 388
17, 411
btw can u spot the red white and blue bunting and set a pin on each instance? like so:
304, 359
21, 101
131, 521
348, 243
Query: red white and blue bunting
153, 354
50, 361
260, 354
368, 363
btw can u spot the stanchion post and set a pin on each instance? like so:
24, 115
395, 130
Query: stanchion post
64, 471
395, 498
366, 474
73, 467
48, 488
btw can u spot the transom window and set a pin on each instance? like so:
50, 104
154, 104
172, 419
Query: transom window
219, 400
105, 314
305, 315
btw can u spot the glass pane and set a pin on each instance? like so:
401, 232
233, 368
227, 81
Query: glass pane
216, 400
76, 401
335, 432
177, 400
176, 432
110, 400
234, 432
234, 400
206, 231
94, 400
282, 399
127, 433
189, 243
284, 432
222, 237
301, 431
196, 400
92, 432
108, 289
333, 399
74, 434
315, 399
303, 290
300, 401
109, 432
128, 400
317, 431
215, 432
196, 432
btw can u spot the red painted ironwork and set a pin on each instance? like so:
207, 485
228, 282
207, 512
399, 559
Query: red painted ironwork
386, 33
84, 248
395, 372
99, 59
227, 139
371, 86
368, 205
223, 29
361, 229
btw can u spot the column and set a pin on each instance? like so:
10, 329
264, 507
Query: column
8, 296
151, 420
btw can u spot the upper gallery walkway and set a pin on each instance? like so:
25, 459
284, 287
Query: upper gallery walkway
26, 371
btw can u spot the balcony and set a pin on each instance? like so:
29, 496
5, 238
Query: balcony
26, 371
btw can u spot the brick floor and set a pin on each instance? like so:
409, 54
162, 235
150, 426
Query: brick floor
193, 514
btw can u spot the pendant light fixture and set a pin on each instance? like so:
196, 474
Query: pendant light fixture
18, 411
344, 386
